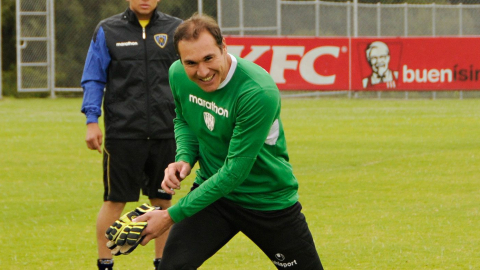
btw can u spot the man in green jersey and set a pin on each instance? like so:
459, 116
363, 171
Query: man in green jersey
228, 120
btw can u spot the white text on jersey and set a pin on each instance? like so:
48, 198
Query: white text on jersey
209, 105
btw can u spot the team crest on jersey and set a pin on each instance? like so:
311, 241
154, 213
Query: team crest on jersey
209, 120
161, 39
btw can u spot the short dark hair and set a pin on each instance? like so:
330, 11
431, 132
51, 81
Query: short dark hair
191, 28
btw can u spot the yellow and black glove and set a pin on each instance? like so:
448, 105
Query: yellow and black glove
128, 239
124, 235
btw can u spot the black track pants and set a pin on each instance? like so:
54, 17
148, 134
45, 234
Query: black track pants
282, 235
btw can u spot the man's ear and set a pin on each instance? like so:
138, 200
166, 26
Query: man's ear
224, 44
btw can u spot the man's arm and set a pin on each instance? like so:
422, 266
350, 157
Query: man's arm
93, 82
257, 112
187, 143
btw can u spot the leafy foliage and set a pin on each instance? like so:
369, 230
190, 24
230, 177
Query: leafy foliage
75, 22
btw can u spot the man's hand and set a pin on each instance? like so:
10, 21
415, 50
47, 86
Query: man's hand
94, 137
127, 239
174, 174
158, 223
124, 235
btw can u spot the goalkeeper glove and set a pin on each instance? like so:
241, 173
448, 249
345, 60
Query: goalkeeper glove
128, 239
116, 233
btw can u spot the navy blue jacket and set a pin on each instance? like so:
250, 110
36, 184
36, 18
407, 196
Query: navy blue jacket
131, 64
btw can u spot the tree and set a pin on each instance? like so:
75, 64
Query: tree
8, 48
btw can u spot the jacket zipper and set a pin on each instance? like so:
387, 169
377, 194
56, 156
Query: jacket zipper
147, 85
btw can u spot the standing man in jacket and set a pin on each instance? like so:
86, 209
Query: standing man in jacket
228, 120
129, 56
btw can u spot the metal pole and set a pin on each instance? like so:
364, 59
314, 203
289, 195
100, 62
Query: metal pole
379, 33
317, 18
349, 19
219, 13
379, 20
19, 44
405, 29
1, 65
460, 18
349, 34
51, 35
433, 19
279, 17
242, 26
355, 18
405, 23
200, 7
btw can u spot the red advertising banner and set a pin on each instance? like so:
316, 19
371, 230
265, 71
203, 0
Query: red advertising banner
377, 64
298, 63
434, 63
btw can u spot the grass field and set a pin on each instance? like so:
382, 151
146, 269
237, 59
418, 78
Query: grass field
385, 184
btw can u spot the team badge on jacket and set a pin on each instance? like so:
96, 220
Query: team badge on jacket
161, 39
209, 120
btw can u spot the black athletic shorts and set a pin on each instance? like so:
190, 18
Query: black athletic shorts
133, 165
282, 235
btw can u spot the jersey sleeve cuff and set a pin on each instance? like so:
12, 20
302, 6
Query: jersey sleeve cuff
186, 158
92, 119
176, 213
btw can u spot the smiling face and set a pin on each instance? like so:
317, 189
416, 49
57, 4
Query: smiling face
379, 60
204, 61
378, 56
143, 8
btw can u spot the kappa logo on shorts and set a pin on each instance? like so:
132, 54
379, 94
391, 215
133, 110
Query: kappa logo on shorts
161, 39
279, 261
280, 257
209, 120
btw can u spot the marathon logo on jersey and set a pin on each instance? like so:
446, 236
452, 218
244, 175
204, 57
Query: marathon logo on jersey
279, 258
209, 120
209, 105
127, 44
161, 40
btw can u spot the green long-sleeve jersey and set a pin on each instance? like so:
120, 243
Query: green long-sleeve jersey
236, 135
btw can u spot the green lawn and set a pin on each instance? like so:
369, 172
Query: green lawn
385, 184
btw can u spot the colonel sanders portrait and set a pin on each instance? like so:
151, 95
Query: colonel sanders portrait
378, 56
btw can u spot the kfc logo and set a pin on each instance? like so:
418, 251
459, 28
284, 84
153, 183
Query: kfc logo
297, 63
378, 57
305, 64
